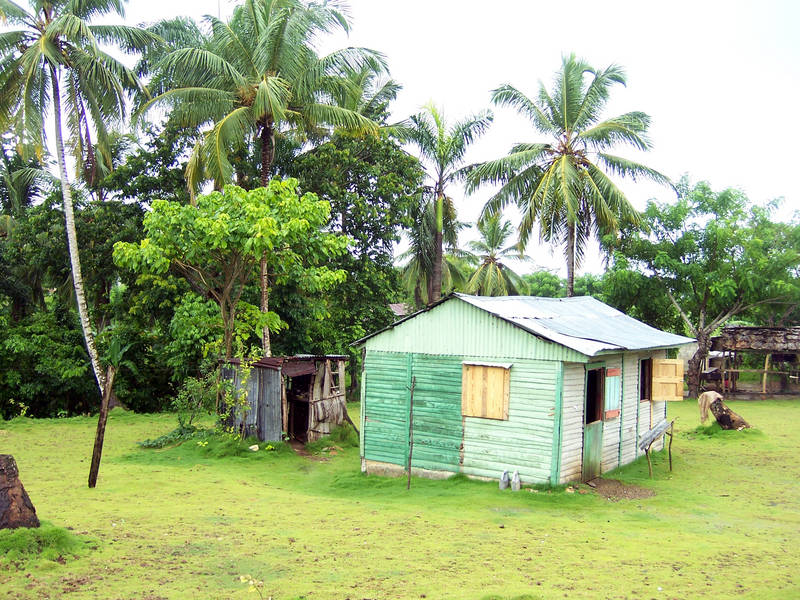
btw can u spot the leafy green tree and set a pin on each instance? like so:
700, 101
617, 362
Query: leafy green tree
56, 50
492, 277
714, 256
371, 184
545, 284
153, 167
563, 186
256, 77
442, 148
216, 244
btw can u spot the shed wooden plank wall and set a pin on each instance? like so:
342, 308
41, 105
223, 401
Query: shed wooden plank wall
524, 442
611, 426
572, 422
385, 410
634, 416
630, 407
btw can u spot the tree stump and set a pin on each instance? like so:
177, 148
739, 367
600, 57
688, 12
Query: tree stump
16, 509
726, 418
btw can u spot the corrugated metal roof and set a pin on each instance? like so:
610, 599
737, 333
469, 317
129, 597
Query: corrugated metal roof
582, 323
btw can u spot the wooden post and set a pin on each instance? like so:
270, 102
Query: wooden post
670, 445
764, 376
101, 426
284, 406
410, 430
649, 464
724, 378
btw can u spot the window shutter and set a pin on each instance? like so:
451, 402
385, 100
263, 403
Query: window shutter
613, 393
667, 380
485, 390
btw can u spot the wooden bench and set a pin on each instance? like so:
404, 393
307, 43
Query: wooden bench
649, 438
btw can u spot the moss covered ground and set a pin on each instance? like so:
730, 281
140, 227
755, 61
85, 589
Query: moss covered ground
183, 523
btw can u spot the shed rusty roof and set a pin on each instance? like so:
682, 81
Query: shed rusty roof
581, 323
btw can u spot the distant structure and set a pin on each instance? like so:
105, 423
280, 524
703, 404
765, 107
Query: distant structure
300, 396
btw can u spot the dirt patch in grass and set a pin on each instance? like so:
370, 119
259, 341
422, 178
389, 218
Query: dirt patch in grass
614, 489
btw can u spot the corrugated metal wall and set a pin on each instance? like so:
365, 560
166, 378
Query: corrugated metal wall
458, 328
263, 417
524, 442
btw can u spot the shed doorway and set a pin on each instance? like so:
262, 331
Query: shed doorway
593, 424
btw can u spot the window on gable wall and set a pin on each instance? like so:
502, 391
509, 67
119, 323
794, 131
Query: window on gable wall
485, 389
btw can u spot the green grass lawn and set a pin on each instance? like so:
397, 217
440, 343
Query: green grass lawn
178, 523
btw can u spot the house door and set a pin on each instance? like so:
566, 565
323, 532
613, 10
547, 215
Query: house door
593, 424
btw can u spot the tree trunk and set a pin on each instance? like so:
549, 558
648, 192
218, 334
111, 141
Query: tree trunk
265, 342
418, 297
726, 418
695, 363
436, 275
101, 427
72, 240
570, 254
267, 158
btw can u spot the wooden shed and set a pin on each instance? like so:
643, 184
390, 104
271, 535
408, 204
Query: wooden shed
302, 396
559, 389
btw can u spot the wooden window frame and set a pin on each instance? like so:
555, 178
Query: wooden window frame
469, 404
645, 379
609, 415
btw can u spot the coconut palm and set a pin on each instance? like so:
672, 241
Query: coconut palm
257, 77
443, 147
53, 61
492, 277
563, 185
417, 273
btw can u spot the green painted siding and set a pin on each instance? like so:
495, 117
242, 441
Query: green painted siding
437, 412
385, 407
524, 442
456, 327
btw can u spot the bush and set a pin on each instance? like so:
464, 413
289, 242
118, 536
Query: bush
48, 542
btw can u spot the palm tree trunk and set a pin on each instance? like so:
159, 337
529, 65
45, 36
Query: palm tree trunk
101, 427
436, 275
72, 240
570, 253
267, 158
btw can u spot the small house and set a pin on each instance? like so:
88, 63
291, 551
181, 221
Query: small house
302, 396
559, 389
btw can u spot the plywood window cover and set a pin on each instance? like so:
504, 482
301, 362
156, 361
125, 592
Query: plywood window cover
483, 409
475, 363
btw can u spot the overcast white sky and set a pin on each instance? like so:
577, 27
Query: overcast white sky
720, 80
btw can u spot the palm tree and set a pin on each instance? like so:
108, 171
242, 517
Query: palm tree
257, 77
564, 185
417, 273
492, 277
54, 61
443, 148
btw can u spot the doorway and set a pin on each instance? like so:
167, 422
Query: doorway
593, 423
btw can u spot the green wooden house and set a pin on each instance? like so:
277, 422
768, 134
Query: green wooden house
559, 389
